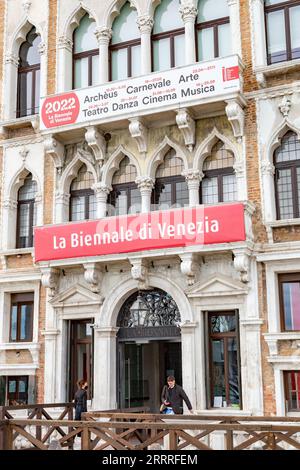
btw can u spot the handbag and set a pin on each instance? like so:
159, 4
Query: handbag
162, 408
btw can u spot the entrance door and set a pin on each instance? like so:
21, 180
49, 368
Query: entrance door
143, 369
81, 355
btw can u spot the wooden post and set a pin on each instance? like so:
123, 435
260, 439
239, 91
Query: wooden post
271, 441
85, 439
70, 418
229, 440
2, 418
8, 436
38, 431
173, 440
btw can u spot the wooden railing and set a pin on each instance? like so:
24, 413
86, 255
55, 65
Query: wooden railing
139, 431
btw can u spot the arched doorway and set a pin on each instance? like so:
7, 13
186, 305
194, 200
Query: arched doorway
149, 348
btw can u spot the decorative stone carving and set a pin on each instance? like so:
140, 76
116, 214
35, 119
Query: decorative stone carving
103, 35
186, 124
10, 204
239, 168
101, 189
188, 267
145, 24
139, 132
12, 59
188, 13
26, 5
23, 153
62, 198
50, 278
139, 272
236, 117
56, 150
267, 168
241, 264
65, 43
96, 141
192, 175
285, 106
145, 183
93, 275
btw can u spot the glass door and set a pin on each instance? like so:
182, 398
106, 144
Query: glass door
81, 355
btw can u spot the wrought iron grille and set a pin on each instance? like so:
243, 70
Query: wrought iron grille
153, 308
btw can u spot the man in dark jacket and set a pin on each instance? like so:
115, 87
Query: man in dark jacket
173, 396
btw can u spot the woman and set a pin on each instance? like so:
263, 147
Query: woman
80, 399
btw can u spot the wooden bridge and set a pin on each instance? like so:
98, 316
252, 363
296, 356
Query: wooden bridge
52, 426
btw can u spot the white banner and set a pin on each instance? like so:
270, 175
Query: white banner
178, 87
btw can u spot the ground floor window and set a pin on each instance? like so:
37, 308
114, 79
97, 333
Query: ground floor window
292, 390
17, 390
223, 360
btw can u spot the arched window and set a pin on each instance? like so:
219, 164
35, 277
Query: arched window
125, 196
283, 32
287, 177
125, 47
85, 54
213, 29
26, 214
82, 200
170, 187
29, 76
168, 48
219, 182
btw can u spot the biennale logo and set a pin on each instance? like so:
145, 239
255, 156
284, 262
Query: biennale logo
60, 110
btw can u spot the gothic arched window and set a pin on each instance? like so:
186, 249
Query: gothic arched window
125, 46
287, 177
26, 213
170, 186
168, 43
28, 95
219, 182
125, 196
85, 54
82, 200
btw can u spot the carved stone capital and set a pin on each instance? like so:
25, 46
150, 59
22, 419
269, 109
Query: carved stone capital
12, 59
65, 43
193, 176
50, 278
26, 5
101, 191
236, 117
188, 267
145, 183
285, 106
103, 35
239, 168
145, 23
23, 153
242, 263
62, 198
10, 204
38, 198
139, 272
42, 48
267, 168
139, 132
96, 141
188, 13
186, 124
56, 150
93, 275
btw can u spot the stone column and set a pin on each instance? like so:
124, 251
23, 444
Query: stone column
65, 64
145, 185
193, 178
62, 201
105, 366
259, 36
235, 29
189, 361
103, 35
43, 60
50, 371
189, 13
267, 171
241, 182
9, 223
101, 192
145, 24
10, 95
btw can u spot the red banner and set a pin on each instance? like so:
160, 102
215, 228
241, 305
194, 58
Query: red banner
200, 225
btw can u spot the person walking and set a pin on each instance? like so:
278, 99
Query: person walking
80, 399
172, 397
